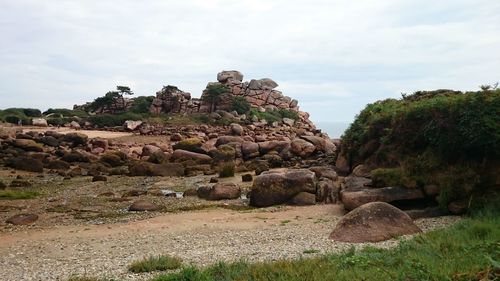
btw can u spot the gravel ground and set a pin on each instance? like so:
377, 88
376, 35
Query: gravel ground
200, 238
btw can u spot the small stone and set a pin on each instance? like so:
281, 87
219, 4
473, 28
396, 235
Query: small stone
99, 178
22, 219
246, 178
142, 205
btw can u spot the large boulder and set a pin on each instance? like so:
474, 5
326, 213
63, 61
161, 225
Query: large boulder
303, 199
141, 168
220, 191
76, 156
39, 122
76, 138
56, 164
181, 155
228, 139
373, 222
142, 205
353, 198
249, 149
22, 219
50, 141
28, 145
229, 76
321, 144
278, 146
277, 188
132, 125
236, 129
324, 172
302, 148
190, 144
149, 149
25, 163
268, 83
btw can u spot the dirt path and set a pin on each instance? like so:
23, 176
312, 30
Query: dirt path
89, 133
201, 238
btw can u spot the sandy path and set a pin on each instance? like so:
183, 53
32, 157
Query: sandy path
201, 237
89, 133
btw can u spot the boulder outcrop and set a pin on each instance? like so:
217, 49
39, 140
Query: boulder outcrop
373, 222
277, 188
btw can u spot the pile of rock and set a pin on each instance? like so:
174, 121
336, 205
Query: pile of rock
259, 93
296, 187
172, 100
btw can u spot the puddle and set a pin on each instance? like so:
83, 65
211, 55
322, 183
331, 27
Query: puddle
170, 193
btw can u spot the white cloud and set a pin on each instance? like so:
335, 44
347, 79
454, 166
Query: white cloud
333, 56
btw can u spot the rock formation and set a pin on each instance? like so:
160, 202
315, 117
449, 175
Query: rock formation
373, 222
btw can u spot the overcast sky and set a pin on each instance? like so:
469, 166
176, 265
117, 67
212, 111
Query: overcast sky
333, 56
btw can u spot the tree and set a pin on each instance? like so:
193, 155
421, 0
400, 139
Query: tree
213, 95
112, 100
241, 105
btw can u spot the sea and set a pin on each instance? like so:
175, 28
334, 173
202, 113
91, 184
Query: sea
333, 129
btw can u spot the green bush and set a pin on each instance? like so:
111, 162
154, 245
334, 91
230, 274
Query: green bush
17, 194
274, 115
155, 263
141, 104
433, 136
241, 105
64, 112
32, 112
111, 120
59, 121
383, 177
13, 115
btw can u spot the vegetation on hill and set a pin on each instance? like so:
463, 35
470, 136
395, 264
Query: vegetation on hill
14, 115
214, 94
443, 137
274, 115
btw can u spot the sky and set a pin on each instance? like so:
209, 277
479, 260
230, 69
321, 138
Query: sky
333, 56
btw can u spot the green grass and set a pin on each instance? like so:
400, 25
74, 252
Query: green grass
310, 251
469, 250
17, 194
155, 263
283, 222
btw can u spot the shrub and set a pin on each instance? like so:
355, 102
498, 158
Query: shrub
383, 177
155, 263
274, 115
64, 112
141, 104
32, 112
213, 94
285, 113
111, 120
59, 121
17, 194
434, 136
241, 105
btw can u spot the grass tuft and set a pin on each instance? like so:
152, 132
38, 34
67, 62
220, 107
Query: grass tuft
155, 263
17, 194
